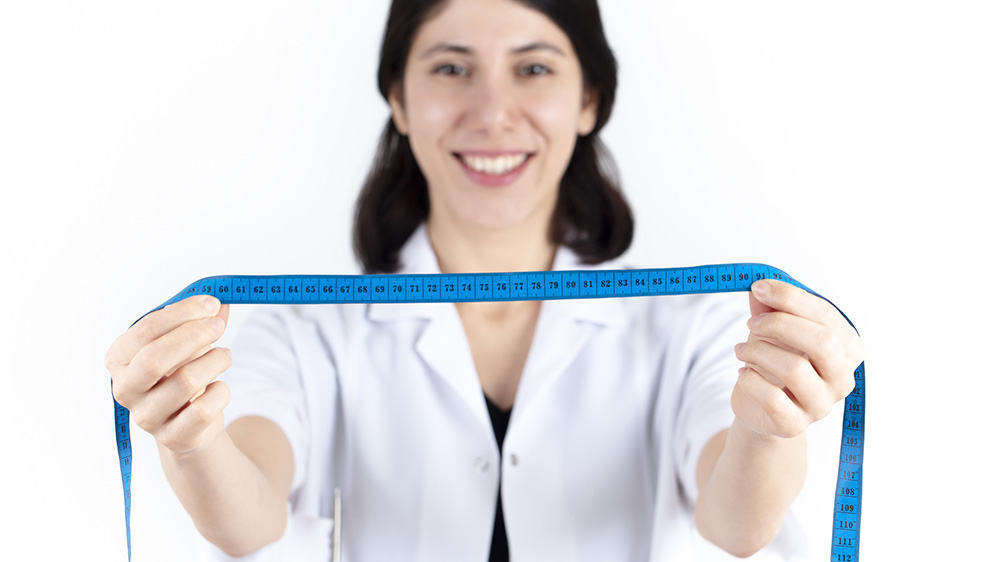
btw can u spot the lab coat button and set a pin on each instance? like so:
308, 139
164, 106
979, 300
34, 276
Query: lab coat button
481, 464
513, 460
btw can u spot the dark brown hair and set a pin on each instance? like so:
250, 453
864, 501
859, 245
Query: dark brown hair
592, 216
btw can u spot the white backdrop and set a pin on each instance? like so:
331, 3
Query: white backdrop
144, 145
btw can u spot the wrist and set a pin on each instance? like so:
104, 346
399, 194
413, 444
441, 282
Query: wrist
742, 431
203, 455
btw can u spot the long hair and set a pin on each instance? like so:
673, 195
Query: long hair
592, 216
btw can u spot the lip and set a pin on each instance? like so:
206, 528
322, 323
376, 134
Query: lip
490, 180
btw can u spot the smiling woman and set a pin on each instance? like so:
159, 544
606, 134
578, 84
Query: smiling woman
496, 110
444, 438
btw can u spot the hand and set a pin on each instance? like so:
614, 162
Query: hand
162, 370
800, 360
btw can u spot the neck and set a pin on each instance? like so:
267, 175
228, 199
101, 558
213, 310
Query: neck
470, 249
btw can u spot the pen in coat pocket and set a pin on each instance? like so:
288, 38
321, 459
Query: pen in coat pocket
335, 541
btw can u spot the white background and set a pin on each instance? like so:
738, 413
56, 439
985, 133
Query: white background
144, 145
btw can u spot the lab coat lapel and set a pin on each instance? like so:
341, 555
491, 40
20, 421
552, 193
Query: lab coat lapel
444, 346
563, 328
558, 339
441, 342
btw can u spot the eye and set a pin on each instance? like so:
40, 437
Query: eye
449, 68
535, 70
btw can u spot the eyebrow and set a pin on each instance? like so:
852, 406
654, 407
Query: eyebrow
462, 49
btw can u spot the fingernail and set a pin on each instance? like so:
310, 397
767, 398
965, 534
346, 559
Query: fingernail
211, 304
218, 324
761, 289
739, 347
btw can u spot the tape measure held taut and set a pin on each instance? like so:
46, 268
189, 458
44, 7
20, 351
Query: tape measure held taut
538, 285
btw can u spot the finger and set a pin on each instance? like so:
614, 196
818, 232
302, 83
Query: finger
157, 323
164, 355
771, 379
775, 342
224, 314
189, 428
757, 307
814, 341
789, 298
805, 387
187, 383
780, 415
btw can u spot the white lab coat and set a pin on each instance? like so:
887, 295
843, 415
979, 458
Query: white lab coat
382, 401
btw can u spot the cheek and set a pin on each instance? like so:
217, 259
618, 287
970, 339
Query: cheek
556, 117
431, 118
431, 113
556, 124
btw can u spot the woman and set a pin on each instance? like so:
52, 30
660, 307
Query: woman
600, 429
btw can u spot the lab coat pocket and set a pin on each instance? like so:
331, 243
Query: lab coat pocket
307, 538
311, 538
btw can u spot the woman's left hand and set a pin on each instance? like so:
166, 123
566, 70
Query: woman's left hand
800, 360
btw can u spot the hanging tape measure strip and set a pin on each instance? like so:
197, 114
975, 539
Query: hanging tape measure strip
533, 285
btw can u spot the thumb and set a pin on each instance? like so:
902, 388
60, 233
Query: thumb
224, 313
757, 307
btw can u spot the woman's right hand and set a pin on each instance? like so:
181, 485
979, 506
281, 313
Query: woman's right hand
162, 370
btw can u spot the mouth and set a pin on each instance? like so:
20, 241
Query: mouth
494, 169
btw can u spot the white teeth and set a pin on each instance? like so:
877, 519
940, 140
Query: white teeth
494, 166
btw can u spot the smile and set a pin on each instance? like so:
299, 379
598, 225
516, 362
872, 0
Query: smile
494, 171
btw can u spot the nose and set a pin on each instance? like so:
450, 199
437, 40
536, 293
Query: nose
493, 106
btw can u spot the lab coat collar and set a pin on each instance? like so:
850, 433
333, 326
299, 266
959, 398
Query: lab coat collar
563, 329
417, 256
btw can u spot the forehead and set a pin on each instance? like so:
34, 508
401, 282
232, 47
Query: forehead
488, 25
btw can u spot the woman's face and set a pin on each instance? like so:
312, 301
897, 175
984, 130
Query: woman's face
492, 103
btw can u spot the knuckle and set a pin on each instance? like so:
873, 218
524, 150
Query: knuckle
801, 369
827, 344
825, 411
774, 405
797, 426
186, 381
821, 410
209, 330
171, 440
765, 325
117, 392
223, 360
847, 386
174, 436
224, 390
148, 362
741, 383
790, 423
142, 420
109, 363
144, 329
859, 351
201, 414
832, 316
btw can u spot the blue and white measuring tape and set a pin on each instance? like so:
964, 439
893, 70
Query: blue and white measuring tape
532, 285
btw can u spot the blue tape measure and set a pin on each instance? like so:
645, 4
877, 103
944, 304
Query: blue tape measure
533, 285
